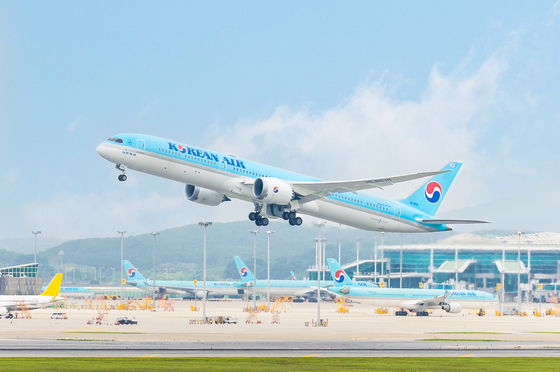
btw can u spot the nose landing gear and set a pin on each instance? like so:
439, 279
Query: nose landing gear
122, 177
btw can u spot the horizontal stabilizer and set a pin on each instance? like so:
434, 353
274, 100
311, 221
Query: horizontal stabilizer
449, 222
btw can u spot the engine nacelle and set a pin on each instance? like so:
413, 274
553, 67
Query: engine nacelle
204, 196
273, 191
452, 307
3, 311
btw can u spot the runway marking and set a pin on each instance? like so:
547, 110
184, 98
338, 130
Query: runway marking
466, 356
309, 356
150, 356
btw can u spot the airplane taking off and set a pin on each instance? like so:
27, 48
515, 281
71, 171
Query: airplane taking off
419, 300
292, 287
213, 289
212, 178
49, 295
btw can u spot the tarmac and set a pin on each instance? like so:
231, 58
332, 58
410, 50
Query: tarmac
361, 332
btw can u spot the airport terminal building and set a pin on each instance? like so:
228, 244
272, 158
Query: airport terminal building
484, 260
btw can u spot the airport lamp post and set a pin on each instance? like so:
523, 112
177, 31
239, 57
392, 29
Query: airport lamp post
358, 256
268, 289
319, 225
382, 253
35, 233
254, 232
401, 264
154, 272
100, 274
113, 280
519, 298
121, 265
205, 225
339, 261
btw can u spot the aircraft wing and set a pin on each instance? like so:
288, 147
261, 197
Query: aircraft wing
435, 301
322, 189
447, 222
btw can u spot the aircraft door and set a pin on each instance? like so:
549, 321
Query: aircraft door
141, 145
397, 213
223, 165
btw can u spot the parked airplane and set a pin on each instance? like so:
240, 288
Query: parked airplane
212, 178
49, 295
213, 288
74, 292
418, 300
295, 288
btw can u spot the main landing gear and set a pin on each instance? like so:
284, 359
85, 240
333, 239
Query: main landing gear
422, 313
401, 312
122, 177
259, 220
292, 219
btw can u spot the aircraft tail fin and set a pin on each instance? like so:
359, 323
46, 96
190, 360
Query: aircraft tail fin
132, 273
429, 196
54, 287
292, 275
244, 272
339, 276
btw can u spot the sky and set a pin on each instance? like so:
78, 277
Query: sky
329, 89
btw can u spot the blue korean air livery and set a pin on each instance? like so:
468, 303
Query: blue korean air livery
213, 288
212, 178
295, 288
417, 300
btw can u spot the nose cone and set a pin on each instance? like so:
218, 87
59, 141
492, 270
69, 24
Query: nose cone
102, 150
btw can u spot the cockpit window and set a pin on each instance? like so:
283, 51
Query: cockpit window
118, 140
111, 139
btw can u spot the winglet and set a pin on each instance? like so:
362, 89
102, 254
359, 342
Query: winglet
54, 286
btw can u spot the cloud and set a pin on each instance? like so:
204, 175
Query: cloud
373, 134
8, 177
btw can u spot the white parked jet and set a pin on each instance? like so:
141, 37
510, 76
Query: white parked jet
212, 178
49, 295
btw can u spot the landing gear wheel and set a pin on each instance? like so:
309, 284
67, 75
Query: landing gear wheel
122, 177
258, 222
298, 221
286, 215
264, 221
292, 215
253, 216
292, 221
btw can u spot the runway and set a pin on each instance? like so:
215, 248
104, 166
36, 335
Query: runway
41, 348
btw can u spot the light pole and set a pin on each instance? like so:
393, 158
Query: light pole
339, 246
519, 302
401, 264
113, 281
324, 261
268, 289
154, 272
382, 253
121, 265
35, 233
205, 224
167, 273
100, 274
254, 232
358, 256
319, 225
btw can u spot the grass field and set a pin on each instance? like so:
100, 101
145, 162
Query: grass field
279, 364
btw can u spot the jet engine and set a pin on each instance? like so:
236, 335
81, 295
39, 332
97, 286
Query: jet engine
3, 311
204, 196
273, 191
451, 308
